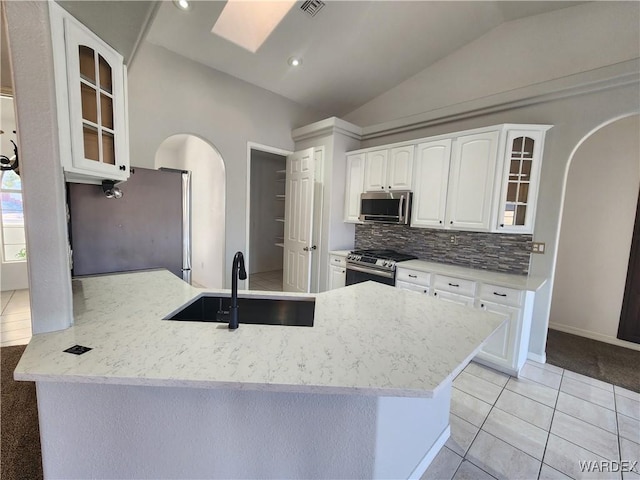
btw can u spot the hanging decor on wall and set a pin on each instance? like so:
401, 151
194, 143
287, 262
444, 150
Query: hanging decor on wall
10, 163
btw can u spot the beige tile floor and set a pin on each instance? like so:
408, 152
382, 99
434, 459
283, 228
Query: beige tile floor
15, 321
538, 426
269, 281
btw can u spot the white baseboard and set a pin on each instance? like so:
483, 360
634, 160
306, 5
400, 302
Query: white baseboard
594, 336
431, 454
537, 358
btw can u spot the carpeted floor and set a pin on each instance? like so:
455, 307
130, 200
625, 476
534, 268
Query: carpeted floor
19, 435
606, 362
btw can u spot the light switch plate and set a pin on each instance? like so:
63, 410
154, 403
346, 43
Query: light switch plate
538, 247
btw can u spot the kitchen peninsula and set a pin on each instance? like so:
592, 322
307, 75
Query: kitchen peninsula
364, 393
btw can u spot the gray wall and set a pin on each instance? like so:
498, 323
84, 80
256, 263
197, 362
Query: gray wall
596, 231
514, 55
169, 94
265, 207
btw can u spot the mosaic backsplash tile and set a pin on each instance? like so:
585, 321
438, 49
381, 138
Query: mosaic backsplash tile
496, 252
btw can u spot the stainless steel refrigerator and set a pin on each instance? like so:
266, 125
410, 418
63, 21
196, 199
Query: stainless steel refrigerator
148, 227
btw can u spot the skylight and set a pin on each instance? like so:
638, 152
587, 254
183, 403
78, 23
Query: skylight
249, 24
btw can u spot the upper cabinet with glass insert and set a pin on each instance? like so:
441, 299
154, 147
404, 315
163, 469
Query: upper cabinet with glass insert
91, 93
521, 173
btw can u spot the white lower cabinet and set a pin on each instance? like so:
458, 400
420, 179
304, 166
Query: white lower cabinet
499, 348
453, 298
337, 272
412, 286
506, 350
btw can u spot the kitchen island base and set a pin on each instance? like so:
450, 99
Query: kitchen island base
122, 431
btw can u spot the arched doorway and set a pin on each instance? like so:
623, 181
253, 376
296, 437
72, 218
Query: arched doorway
599, 210
189, 152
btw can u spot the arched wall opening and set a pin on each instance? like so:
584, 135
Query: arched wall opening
600, 198
208, 193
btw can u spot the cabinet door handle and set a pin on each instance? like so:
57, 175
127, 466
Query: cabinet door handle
453, 285
413, 276
482, 305
451, 222
440, 222
502, 225
122, 167
500, 294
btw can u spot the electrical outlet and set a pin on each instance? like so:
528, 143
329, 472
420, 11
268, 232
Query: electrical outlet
538, 247
453, 239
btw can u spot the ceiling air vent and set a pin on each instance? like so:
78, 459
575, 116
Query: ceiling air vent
312, 7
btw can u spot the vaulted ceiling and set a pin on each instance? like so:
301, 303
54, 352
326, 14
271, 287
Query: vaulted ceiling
352, 51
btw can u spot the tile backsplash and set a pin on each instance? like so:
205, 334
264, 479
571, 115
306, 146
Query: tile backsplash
496, 252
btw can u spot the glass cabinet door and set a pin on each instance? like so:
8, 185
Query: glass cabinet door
97, 106
96, 103
521, 171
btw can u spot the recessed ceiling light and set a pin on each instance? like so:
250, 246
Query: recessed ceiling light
295, 61
182, 4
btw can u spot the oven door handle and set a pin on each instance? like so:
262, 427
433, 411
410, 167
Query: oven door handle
372, 271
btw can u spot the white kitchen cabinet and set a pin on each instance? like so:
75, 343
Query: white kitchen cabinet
520, 176
90, 82
413, 280
499, 348
507, 348
472, 178
375, 172
389, 169
337, 271
430, 184
355, 187
453, 298
412, 286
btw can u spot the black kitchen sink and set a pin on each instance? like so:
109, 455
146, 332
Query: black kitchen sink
296, 312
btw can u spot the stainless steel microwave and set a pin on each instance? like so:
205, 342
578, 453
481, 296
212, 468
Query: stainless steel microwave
385, 207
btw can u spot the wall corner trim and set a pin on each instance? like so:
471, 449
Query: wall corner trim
604, 78
325, 127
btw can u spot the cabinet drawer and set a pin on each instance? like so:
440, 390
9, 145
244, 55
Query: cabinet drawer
455, 285
338, 260
412, 286
501, 295
453, 298
411, 276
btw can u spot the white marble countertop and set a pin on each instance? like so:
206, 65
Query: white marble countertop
367, 339
340, 253
521, 282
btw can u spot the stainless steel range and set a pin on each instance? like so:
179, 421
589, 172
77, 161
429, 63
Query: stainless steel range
376, 265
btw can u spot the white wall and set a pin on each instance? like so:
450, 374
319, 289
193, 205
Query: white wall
170, 94
187, 152
516, 54
121, 431
265, 207
596, 231
44, 193
13, 275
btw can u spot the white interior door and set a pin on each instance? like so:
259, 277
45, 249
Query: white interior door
298, 222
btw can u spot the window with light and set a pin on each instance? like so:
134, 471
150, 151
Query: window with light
12, 217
